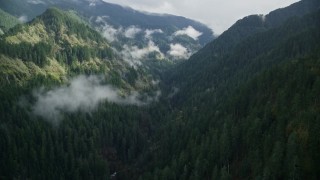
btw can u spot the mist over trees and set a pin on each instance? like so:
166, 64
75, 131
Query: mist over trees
246, 106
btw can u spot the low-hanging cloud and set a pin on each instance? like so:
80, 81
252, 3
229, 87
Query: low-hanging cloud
150, 32
23, 18
111, 33
35, 2
133, 54
179, 51
83, 93
93, 2
107, 31
189, 31
263, 17
131, 32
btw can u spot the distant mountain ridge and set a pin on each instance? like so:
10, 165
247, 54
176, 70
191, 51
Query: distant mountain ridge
167, 36
253, 24
118, 15
242, 29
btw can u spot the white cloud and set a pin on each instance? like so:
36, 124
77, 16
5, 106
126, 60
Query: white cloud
189, 31
84, 94
263, 17
35, 2
100, 19
111, 33
93, 2
217, 14
131, 32
179, 51
23, 18
133, 54
108, 31
155, 82
150, 32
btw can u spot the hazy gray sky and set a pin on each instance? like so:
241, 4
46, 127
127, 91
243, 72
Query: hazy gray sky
217, 14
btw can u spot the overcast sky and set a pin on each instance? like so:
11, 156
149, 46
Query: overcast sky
217, 14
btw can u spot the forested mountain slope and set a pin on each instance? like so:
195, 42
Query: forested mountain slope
57, 45
246, 106
67, 102
249, 114
242, 29
208, 62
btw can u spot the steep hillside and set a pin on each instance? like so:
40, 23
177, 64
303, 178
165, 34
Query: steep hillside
251, 113
58, 45
266, 128
216, 54
248, 26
